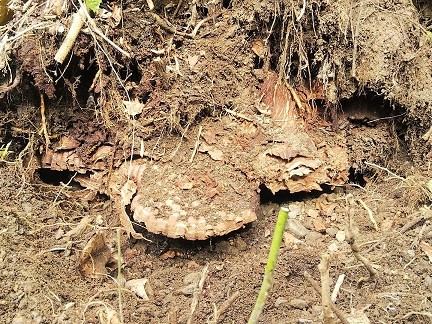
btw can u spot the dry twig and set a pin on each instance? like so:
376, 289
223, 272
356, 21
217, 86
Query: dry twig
324, 269
334, 308
197, 294
353, 244
226, 304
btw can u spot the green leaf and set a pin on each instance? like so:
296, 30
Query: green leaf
93, 5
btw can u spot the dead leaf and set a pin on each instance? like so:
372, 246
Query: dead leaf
193, 60
214, 152
138, 286
94, 257
79, 229
102, 153
133, 108
426, 248
209, 136
183, 182
67, 143
168, 255
259, 48
319, 225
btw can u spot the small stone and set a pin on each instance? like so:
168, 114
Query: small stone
266, 232
280, 301
319, 225
304, 321
428, 282
188, 290
240, 244
296, 228
332, 231
295, 209
386, 224
313, 213
308, 223
333, 247
299, 303
192, 278
313, 237
269, 210
340, 236
290, 239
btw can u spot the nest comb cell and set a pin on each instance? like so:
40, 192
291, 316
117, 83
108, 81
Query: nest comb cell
182, 200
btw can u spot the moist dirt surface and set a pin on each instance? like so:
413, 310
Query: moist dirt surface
141, 180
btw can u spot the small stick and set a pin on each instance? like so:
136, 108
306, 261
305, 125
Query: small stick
78, 21
197, 294
44, 130
408, 226
197, 142
334, 308
179, 4
164, 25
324, 269
200, 23
119, 275
271, 265
336, 288
295, 96
226, 304
150, 4
239, 115
370, 214
353, 244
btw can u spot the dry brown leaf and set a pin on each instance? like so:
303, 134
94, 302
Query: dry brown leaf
80, 228
138, 286
427, 249
183, 182
168, 255
259, 48
67, 143
214, 152
133, 108
193, 60
94, 257
102, 153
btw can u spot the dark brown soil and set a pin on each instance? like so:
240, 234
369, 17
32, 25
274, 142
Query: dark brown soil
205, 139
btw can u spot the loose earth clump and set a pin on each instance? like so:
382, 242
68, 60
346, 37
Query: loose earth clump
141, 178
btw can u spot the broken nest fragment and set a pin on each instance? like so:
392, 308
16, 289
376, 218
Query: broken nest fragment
183, 200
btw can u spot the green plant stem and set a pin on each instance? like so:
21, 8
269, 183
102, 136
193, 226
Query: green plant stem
271, 265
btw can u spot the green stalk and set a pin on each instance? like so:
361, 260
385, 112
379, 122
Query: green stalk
271, 265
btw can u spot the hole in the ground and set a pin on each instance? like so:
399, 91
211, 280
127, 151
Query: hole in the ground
55, 178
370, 109
227, 4
356, 176
284, 196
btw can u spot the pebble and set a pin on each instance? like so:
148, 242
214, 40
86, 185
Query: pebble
333, 247
332, 231
240, 244
298, 303
280, 301
319, 225
313, 237
296, 228
428, 282
192, 278
295, 209
313, 213
340, 236
188, 290
308, 223
304, 321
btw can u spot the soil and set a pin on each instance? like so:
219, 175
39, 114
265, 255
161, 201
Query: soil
169, 165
